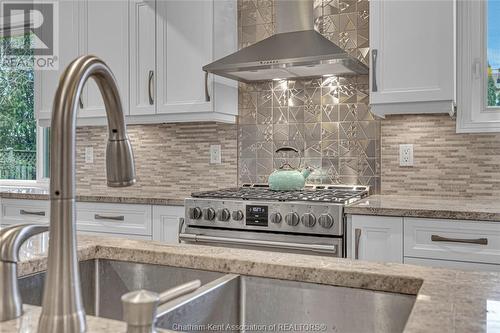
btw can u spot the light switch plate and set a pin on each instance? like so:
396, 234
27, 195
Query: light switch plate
89, 155
215, 154
406, 155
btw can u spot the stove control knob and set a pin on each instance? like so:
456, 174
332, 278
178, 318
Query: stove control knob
195, 213
238, 215
292, 219
309, 220
326, 221
209, 214
276, 218
224, 214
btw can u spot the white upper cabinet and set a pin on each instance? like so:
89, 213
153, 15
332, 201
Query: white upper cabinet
142, 57
46, 81
104, 33
184, 46
156, 50
171, 40
412, 67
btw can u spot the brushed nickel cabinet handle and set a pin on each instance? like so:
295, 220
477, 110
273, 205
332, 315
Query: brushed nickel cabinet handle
480, 241
150, 87
29, 212
80, 102
374, 71
357, 239
207, 94
109, 217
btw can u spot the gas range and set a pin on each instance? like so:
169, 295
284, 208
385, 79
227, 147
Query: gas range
257, 215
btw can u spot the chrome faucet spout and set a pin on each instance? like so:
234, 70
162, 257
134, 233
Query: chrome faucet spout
62, 308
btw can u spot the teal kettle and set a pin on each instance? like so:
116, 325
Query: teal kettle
286, 178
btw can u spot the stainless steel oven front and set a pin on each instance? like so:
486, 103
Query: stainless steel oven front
264, 241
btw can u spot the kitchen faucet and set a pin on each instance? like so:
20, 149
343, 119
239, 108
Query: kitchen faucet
11, 239
62, 308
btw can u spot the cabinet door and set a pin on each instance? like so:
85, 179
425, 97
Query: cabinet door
412, 45
104, 30
166, 223
142, 57
46, 81
184, 46
377, 238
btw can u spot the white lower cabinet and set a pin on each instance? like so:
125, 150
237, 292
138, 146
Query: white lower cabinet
16, 211
377, 238
166, 223
458, 244
129, 221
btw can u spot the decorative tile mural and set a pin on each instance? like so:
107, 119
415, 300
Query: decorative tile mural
327, 119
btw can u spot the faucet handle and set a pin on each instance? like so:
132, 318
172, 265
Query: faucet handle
139, 307
11, 239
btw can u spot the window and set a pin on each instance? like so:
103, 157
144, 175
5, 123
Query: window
22, 142
493, 53
478, 66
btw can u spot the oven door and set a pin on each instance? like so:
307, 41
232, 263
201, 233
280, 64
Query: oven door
264, 241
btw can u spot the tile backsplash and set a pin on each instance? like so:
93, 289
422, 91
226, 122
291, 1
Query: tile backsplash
327, 119
172, 160
447, 164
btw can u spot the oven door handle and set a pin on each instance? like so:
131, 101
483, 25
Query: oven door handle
236, 241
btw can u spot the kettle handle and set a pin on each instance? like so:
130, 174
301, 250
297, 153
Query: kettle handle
287, 148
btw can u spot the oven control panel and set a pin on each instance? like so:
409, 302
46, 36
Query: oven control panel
257, 215
296, 217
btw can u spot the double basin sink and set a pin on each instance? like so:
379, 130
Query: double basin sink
234, 303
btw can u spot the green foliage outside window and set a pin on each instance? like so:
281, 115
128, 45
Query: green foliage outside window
18, 126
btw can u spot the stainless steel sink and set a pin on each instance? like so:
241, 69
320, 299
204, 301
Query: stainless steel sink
235, 303
104, 282
261, 304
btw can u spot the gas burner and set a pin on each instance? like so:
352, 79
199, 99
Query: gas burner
340, 194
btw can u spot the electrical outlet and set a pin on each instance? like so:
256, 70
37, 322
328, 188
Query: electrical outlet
215, 154
406, 155
89, 155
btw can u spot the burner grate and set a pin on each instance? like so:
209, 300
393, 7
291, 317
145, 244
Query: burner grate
325, 193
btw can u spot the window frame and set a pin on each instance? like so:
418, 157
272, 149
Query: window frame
473, 115
41, 154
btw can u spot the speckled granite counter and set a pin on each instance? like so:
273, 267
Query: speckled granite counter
39, 193
447, 301
449, 208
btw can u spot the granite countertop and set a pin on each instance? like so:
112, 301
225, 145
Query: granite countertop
429, 207
447, 300
41, 193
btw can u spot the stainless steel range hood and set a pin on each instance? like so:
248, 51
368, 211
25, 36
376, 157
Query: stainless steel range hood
296, 51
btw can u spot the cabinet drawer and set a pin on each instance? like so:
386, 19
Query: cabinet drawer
452, 240
25, 211
114, 218
124, 236
461, 265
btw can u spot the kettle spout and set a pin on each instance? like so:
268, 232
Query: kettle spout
306, 172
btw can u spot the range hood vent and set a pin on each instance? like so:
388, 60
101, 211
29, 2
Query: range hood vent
296, 51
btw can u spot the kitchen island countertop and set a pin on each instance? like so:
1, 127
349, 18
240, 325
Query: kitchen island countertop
447, 300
